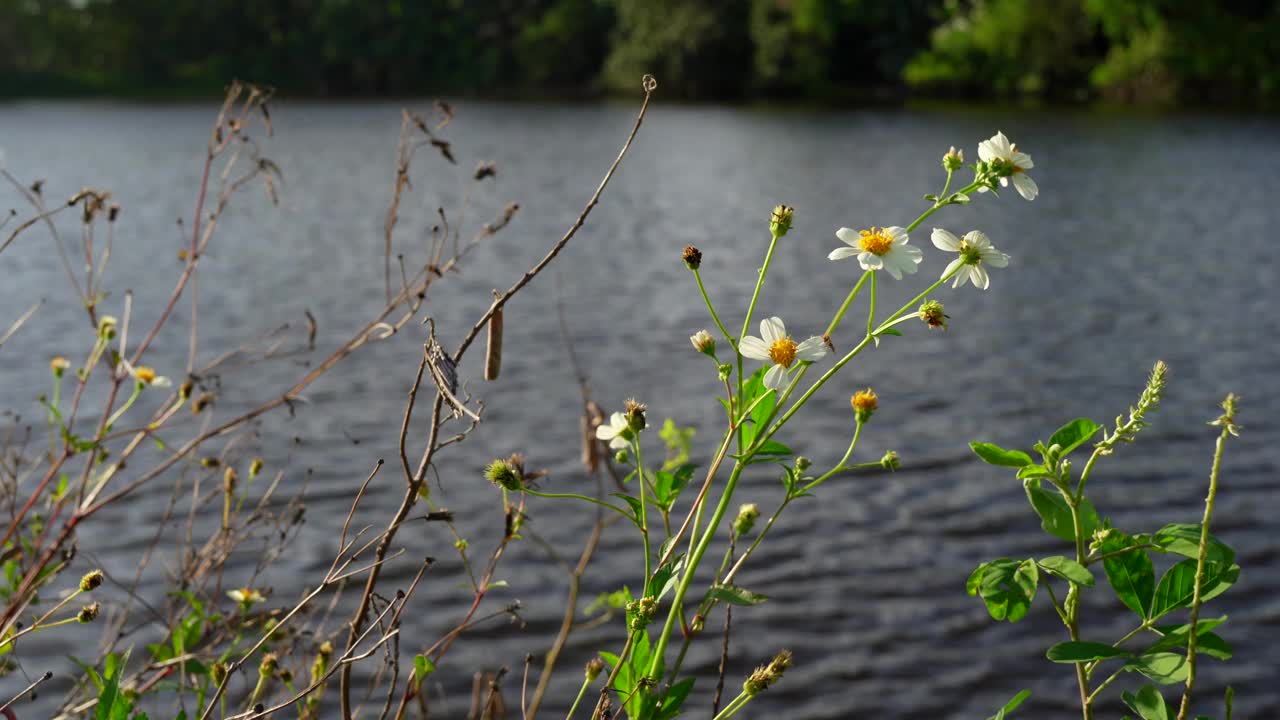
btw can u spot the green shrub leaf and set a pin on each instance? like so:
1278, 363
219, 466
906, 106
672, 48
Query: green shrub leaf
1074, 434
1130, 573
993, 454
1067, 570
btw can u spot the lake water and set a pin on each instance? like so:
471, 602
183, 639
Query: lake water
1153, 237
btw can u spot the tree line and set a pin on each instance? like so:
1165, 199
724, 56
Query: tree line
1187, 51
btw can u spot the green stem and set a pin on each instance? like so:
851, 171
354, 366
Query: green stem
687, 579
697, 275
586, 683
848, 301
137, 391
746, 322
574, 496
871, 312
1197, 600
644, 521
733, 707
840, 466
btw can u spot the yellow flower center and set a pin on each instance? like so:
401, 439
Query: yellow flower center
783, 351
876, 241
146, 375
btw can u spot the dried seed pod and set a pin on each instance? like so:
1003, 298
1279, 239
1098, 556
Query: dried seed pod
493, 352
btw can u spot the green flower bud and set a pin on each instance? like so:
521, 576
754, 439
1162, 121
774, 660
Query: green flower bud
505, 474
953, 160
594, 667
635, 414
91, 580
704, 343
803, 463
746, 519
890, 461
780, 220
931, 313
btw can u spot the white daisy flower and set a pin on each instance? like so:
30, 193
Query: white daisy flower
1005, 156
778, 348
617, 433
879, 248
975, 250
147, 376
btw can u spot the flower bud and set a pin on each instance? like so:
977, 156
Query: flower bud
640, 613
766, 675
255, 467
890, 461
594, 667
91, 580
635, 414
692, 257
268, 665
780, 220
107, 327
803, 463
932, 315
88, 613
704, 343
725, 370
59, 365
230, 478
864, 403
953, 160
218, 672
746, 519
622, 457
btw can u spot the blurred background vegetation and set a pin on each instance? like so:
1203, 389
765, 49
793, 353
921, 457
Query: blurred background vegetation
1148, 51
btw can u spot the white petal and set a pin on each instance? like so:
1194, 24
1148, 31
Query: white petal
979, 277
772, 329
775, 377
619, 443
604, 432
945, 240
1001, 145
977, 239
986, 151
1004, 182
897, 234
848, 236
812, 349
994, 258
1026, 187
842, 253
161, 381
893, 268
870, 261
754, 348
1023, 160
962, 277
951, 268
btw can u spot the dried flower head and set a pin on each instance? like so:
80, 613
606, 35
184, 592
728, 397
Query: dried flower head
766, 675
931, 313
91, 580
692, 257
255, 467
230, 478
88, 613
594, 667
202, 401
268, 665
635, 414
864, 402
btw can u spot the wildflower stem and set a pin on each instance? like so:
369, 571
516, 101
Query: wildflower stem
871, 311
840, 466
947, 185
746, 322
137, 391
644, 521
575, 496
711, 308
939, 205
1228, 428
734, 706
835, 321
695, 559
586, 683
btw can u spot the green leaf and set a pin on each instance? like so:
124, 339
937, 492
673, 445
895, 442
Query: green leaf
674, 699
634, 502
974, 582
1055, 514
1148, 703
1130, 573
1011, 705
1177, 587
1034, 471
669, 483
734, 595
890, 331
1008, 587
1207, 642
1067, 570
752, 389
1165, 668
1074, 434
993, 454
422, 667
1184, 539
1081, 651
